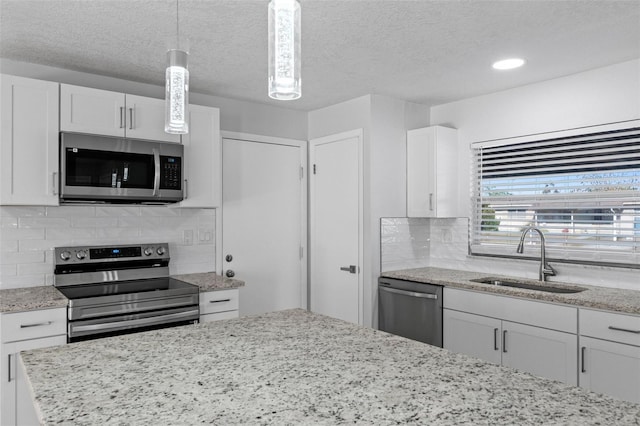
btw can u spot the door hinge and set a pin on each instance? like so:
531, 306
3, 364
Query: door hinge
314, 169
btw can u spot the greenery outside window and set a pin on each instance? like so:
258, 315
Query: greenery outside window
580, 187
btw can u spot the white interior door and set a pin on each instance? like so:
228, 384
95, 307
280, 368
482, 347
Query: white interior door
336, 226
264, 222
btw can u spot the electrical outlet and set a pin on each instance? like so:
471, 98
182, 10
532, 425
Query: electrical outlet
205, 236
187, 237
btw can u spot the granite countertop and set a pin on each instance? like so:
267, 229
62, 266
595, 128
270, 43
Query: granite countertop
209, 281
31, 299
619, 300
45, 297
294, 367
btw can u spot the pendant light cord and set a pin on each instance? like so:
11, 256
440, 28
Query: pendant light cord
177, 25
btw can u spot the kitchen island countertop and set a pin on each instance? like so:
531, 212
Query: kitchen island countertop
294, 367
606, 298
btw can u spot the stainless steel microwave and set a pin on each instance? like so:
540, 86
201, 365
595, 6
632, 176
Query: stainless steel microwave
118, 170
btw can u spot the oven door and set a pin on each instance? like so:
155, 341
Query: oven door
107, 169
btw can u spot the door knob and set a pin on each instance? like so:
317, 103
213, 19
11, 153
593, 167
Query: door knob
230, 273
352, 269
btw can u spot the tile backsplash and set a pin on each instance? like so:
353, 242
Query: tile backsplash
29, 234
404, 243
443, 243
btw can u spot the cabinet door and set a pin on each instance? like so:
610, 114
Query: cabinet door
28, 142
9, 374
547, 353
87, 110
421, 172
473, 335
145, 119
203, 158
432, 165
610, 368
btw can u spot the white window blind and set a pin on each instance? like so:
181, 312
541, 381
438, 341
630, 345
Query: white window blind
581, 190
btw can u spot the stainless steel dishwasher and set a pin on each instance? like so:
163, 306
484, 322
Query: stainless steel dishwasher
410, 309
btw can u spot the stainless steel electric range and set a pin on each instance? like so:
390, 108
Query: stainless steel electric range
118, 289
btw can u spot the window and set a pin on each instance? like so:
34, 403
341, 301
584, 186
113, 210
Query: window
582, 189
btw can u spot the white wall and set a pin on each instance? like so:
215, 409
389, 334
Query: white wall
384, 122
604, 95
235, 115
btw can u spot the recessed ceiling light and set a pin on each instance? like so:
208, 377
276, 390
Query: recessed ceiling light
508, 64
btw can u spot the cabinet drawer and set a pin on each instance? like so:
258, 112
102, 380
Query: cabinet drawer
610, 326
218, 316
540, 314
218, 301
33, 324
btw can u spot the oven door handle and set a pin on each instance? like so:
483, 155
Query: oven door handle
137, 322
156, 173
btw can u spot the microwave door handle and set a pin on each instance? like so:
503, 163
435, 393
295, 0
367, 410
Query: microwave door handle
156, 174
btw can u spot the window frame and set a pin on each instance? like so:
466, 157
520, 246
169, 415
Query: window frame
478, 246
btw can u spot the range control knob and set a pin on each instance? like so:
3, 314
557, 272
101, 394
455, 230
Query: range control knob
81, 254
148, 251
65, 255
160, 251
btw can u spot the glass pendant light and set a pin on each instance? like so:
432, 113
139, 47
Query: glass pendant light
284, 49
177, 87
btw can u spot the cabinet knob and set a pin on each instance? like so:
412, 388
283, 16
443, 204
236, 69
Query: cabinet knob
230, 273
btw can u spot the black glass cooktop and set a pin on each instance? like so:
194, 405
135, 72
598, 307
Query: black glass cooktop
127, 287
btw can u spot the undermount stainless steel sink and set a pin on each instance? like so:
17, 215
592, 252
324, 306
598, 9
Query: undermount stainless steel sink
502, 282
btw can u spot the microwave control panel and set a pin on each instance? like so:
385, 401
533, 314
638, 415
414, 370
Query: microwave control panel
170, 172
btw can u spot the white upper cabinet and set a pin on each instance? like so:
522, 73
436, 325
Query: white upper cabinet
102, 112
203, 158
432, 180
28, 142
145, 119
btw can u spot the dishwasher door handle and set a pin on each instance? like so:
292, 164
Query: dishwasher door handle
410, 293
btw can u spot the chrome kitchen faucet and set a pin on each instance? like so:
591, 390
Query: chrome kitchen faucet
545, 268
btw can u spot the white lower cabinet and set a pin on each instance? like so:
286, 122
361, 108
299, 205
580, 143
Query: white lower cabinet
610, 354
20, 332
512, 332
219, 305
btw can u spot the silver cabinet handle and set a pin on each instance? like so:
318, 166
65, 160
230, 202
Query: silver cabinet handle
504, 341
582, 353
220, 301
156, 174
410, 293
54, 183
495, 339
36, 325
121, 117
352, 269
186, 189
431, 201
626, 330
9, 365
130, 118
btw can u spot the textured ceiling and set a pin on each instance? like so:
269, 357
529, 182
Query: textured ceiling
421, 51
